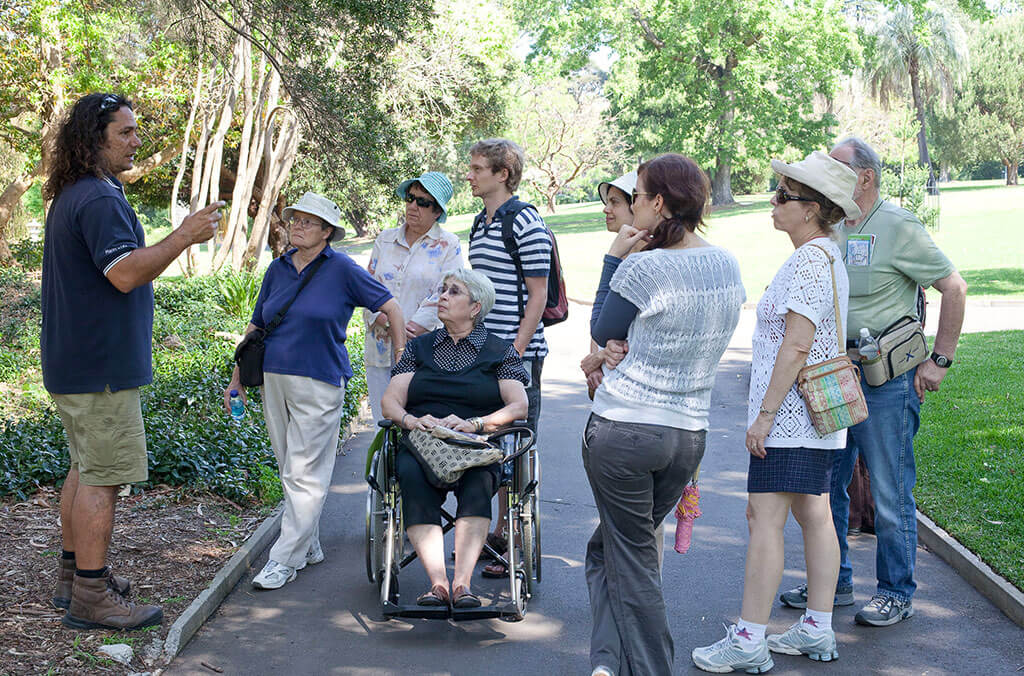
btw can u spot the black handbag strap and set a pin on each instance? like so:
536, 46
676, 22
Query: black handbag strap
279, 317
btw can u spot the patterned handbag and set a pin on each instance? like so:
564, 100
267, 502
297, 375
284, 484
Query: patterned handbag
831, 389
444, 460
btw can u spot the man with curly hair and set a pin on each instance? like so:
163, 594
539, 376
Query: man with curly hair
96, 341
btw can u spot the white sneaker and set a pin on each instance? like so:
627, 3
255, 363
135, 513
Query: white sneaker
733, 654
273, 576
602, 670
313, 556
797, 640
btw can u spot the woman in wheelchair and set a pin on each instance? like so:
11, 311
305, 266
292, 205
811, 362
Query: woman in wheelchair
461, 377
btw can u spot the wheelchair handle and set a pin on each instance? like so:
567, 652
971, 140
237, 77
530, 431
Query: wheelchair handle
523, 446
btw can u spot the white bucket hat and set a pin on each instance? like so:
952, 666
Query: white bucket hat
318, 205
626, 183
830, 177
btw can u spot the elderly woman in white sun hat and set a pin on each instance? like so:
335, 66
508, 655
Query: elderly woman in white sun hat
305, 369
410, 260
790, 463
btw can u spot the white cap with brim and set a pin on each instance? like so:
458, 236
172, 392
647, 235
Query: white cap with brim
318, 205
829, 176
626, 183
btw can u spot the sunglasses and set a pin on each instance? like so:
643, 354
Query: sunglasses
303, 223
637, 194
109, 102
781, 196
452, 290
420, 201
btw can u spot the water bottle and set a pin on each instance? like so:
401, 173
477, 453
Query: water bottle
237, 406
867, 346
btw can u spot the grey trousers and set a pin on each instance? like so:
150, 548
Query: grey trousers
637, 473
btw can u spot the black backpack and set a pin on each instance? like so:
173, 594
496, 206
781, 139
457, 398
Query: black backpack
557, 308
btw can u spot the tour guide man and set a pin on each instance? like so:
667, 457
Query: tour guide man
892, 255
97, 302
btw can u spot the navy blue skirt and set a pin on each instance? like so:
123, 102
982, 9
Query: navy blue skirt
791, 470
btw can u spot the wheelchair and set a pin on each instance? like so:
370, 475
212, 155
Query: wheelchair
385, 532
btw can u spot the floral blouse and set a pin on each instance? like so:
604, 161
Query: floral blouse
412, 274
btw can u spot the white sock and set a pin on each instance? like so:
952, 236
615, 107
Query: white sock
816, 621
749, 631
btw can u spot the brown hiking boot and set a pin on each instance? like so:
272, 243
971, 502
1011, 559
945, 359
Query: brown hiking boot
66, 578
95, 604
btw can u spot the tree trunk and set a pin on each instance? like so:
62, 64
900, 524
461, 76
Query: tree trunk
551, 201
721, 182
1011, 171
277, 161
9, 201
182, 163
922, 139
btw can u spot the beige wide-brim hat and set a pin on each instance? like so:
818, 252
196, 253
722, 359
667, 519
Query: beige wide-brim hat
318, 205
830, 177
626, 183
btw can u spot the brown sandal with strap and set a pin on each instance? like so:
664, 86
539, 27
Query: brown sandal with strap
436, 596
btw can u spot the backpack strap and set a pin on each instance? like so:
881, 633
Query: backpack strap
508, 238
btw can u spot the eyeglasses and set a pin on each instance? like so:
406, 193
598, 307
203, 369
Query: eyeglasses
451, 289
109, 102
302, 223
781, 196
637, 194
420, 201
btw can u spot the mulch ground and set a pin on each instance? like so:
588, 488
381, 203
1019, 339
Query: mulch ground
169, 543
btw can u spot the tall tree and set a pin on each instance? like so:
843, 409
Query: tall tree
722, 80
916, 51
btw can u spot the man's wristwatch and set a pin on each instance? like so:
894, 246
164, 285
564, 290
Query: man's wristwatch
941, 360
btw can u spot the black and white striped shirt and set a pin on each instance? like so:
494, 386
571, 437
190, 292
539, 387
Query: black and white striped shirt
487, 255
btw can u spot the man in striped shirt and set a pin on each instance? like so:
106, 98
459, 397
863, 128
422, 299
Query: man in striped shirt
495, 169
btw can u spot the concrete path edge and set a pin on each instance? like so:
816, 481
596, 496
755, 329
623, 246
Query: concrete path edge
976, 572
189, 622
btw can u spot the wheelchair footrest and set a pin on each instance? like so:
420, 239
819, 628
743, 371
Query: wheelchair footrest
505, 610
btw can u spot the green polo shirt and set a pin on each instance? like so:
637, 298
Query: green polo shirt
884, 279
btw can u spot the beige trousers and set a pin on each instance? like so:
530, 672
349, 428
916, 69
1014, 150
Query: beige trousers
303, 421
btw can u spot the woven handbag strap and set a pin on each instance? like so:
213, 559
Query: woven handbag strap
835, 298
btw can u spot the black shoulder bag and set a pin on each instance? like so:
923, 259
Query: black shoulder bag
249, 353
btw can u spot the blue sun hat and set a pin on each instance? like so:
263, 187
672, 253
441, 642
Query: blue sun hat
435, 183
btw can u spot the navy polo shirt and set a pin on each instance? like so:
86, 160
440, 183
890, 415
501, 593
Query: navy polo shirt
310, 341
93, 335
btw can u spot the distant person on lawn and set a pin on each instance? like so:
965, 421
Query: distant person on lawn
883, 288
96, 343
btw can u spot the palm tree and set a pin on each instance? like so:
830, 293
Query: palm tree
925, 52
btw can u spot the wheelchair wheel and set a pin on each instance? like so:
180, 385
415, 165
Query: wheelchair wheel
376, 523
392, 555
531, 529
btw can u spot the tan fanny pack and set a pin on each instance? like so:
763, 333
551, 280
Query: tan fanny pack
901, 347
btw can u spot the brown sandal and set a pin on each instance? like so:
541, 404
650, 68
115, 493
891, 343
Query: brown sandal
495, 570
436, 596
463, 598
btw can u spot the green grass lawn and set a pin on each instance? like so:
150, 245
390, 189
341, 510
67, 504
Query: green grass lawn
970, 451
980, 230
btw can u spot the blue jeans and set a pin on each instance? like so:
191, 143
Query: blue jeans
886, 442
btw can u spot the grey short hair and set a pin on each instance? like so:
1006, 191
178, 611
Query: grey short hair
864, 157
481, 289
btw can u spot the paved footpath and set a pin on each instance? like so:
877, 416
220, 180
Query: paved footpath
328, 620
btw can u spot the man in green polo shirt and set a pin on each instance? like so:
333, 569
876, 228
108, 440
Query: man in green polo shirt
888, 255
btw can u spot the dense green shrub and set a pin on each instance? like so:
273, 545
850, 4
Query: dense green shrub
28, 252
191, 440
238, 293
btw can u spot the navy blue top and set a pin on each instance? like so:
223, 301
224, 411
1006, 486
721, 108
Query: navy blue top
612, 314
93, 335
311, 339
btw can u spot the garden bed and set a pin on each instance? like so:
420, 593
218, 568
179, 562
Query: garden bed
168, 542
970, 452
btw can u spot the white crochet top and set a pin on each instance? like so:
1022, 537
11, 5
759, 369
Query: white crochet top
688, 304
804, 285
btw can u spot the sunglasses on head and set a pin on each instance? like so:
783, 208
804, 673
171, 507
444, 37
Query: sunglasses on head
109, 102
781, 196
420, 201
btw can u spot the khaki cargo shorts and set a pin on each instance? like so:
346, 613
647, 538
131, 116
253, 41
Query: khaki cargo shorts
106, 437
